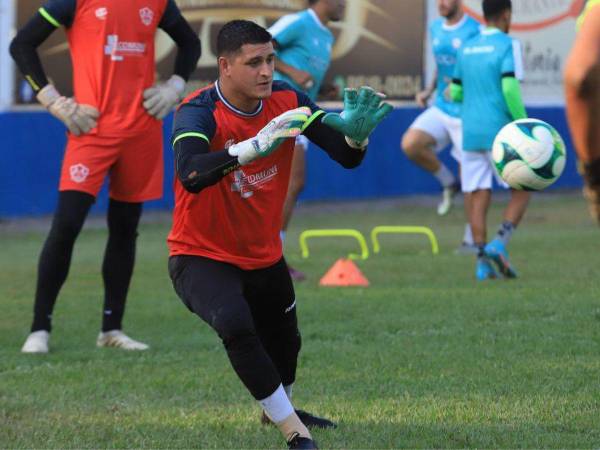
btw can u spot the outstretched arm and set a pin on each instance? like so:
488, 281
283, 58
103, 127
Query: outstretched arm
334, 143
198, 167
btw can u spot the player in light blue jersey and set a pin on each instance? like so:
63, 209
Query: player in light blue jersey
303, 44
485, 80
440, 125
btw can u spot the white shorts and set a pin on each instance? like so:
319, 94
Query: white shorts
477, 172
443, 128
302, 141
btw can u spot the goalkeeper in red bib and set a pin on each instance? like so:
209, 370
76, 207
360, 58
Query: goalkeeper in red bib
233, 143
115, 131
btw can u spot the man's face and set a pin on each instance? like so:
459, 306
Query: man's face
250, 70
448, 8
335, 9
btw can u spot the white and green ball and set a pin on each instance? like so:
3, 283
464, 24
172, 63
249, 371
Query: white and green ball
529, 154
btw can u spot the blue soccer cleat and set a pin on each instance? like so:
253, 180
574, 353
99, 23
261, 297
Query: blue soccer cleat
496, 251
484, 270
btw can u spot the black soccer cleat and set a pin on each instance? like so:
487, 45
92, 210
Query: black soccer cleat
299, 442
307, 419
311, 421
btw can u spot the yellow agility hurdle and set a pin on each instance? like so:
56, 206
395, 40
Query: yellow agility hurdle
403, 230
307, 234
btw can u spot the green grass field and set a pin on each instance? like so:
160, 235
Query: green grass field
425, 357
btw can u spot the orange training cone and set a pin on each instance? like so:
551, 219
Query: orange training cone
344, 273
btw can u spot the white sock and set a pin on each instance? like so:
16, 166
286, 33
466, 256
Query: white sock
288, 390
277, 405
444, 176
468, 236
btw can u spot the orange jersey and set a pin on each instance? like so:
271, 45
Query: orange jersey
112, 50
238, 219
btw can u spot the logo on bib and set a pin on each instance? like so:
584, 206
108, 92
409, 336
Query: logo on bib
101, 13
79, 173
146, 16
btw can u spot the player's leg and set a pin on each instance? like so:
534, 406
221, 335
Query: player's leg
476, 181
497, 248
135, 177
54, 264
214, 291
83, 170
295, 187
467, 247
270, 294
119, 256
454, 127
426, 136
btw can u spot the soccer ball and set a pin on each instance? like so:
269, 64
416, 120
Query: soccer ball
529, 154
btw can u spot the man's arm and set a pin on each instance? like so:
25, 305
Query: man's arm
23, 47
188, 43
300, 77
582, 91
79, 119
160, 99
511, 90
197, 167
423, 97
286, 32
582, 88
512, 73
334, 143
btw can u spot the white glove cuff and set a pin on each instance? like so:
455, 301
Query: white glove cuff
246, 151
355, 144
48, 95
177, 83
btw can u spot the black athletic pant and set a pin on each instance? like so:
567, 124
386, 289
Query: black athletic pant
252, 311
55, 259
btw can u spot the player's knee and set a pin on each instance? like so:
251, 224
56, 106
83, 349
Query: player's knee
64, 230
234, 330
123, 219
411, 145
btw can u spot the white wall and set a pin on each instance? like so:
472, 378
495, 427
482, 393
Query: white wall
7, 16
546, 35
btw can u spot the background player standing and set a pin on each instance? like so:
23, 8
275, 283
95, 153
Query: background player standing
115, 129
233, 144
440, 124
486, 80
303, 47
582, 89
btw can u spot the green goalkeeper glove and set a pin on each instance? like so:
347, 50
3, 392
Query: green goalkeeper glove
363, 111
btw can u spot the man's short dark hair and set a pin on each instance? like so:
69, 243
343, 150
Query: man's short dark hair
493, 8
312, 2
237, 33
